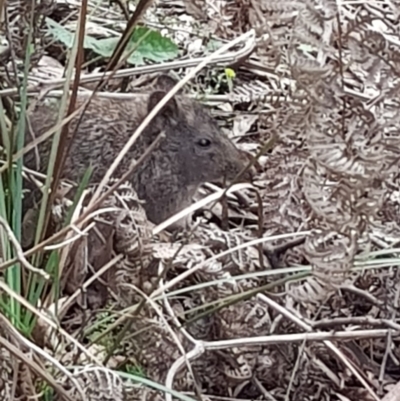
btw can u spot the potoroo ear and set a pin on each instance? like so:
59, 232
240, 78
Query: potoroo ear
170, 111
165, 82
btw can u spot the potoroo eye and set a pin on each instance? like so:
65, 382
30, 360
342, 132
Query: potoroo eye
204, 143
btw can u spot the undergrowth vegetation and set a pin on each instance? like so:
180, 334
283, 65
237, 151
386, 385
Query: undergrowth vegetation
286, 288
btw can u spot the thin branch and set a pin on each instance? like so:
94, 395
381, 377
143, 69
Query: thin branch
20, 253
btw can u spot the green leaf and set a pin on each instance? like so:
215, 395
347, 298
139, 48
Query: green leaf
145, 43
67, 37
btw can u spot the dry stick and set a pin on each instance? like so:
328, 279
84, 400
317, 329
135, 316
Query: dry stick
2, 11
64, 308
16, 334
194, 353
161, 104
20, 253
198, 205
45, 319
171, 373
35, 368
300, 322
274, 339
136, 134
229, 58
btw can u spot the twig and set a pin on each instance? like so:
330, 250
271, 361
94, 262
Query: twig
285, 312
224, 59
7, 326
354, 320
20, 253
199, 266
197, 205
298, 337
35, 367
63, 309
49, 322
196, 352
171, 371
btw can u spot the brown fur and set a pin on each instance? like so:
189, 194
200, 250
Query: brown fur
170, 176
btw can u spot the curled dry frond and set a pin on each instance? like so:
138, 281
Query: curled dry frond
331, 255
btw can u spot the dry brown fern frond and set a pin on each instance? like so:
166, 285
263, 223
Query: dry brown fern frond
278, 10
358, 150
328, 206
129, 219
307, 70
283, 209
238, 365
348, 146
309, 28
27, 379
152, 347
310, 292
243, 319
99, 384
123, 228
256, 92
215, 241
240, 261
331, 255
6, 373
141, 393
22, 370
